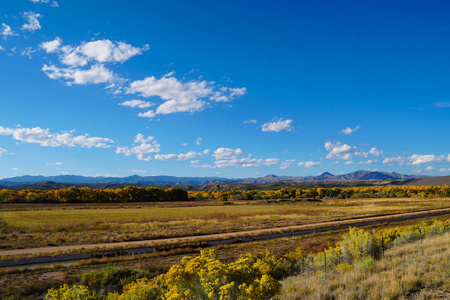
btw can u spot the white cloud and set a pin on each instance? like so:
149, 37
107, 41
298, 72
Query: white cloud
96, 74
286, 164
206, 151
45, 138
138, 171
6, 31
107, 51
33, 22
367, 162
375, 152
277, 126
189, 155
227, 153
55, 164
310, 164
246, 162
27, 52
342, 151
100, 51
251, 122
398, 159
191, 96
53, 3
51, 46
137, 103
198, 141
149, 114
444, 170
429, 168
142, 147
2, 49
204, 166
15, 169
442, 104
3, 152
227, 157
417, 159
348, 130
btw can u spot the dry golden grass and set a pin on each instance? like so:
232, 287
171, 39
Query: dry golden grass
37, 225
414, 271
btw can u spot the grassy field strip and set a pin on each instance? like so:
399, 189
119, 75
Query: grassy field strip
50, 250
419, 270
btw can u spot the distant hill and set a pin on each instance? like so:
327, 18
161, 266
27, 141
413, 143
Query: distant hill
440, 180
57, 182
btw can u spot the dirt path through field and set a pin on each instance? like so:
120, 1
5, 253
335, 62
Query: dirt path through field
209, 237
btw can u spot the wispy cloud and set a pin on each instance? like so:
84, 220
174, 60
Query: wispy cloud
442, 104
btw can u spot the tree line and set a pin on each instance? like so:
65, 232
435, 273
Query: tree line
155, 194
88, 195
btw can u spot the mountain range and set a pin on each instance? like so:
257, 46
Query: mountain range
173, 180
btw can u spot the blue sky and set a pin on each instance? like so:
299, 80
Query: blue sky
223, 88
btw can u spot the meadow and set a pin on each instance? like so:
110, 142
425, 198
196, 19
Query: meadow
391, 263
37, 225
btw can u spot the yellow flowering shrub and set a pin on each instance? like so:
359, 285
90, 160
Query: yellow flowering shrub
74, 292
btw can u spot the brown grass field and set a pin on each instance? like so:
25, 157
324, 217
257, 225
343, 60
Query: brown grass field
38, 225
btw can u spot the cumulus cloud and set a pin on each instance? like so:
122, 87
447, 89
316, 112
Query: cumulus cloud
94, 75
2, 49
227, 157
286, 164
191, 96
182, 156
92, 56
375, 152
137, 103
206, 151
149, 114
343, 151
444, 170
51, 46
32, 21
417, 159
348, 130
396, 159
278, 125
250, 121
99, 51
310, 164
227, 153
6, 31
45, 138
142, 148
367, 162
198, 141
246, 162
